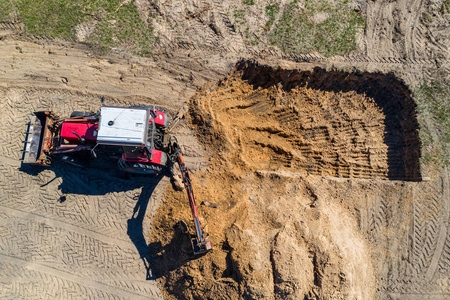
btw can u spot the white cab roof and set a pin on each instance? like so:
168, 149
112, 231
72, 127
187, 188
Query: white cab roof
123, 126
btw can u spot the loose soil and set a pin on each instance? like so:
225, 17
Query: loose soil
287, 148
313, 161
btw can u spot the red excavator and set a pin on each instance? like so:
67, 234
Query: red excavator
136, 137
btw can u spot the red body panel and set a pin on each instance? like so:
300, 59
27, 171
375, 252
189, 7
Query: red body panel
133, 157
88, 131
160, 118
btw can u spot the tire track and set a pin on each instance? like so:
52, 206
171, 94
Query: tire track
86, 236
10, 28
441, 258
413, 35
427, 229
421, 265
358, 59
11, 212
233, 41
40, 273
22, 194
34, 237
377, 218
417, 272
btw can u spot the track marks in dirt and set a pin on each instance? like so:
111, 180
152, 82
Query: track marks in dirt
200, 26
45, 282
300, 121
409, 222
60, 226
85, 235
188, 26
416, 30
442, 255
406, 226
426, 219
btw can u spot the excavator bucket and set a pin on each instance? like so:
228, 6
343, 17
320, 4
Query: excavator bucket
201, 247
38, 139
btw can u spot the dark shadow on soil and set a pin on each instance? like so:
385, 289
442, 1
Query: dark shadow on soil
85, 181
158, 260
92, 180
135, 228
389, 92
172, 256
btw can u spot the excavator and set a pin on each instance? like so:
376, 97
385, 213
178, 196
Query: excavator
137, 138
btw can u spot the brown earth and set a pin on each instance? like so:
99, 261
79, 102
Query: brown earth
299, 160
313, 162
317, 122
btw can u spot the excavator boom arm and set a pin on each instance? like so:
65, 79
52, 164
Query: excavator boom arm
190, 194
201, 243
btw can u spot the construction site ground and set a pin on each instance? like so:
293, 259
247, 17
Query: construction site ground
315, 165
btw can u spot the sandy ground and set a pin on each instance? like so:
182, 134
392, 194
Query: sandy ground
323, 200
318, 193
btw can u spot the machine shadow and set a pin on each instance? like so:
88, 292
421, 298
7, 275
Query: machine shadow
388, 91
84, 181
91, 181
135, 228
165, 259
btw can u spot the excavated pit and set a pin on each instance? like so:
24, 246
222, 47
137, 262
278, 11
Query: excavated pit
278, 139
329, 123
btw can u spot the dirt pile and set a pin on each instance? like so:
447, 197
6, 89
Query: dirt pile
315, 122
274, 236
277, 231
